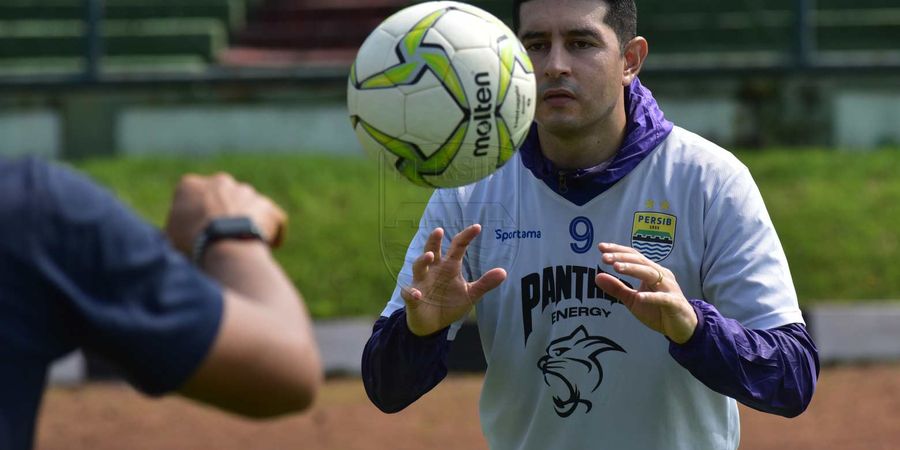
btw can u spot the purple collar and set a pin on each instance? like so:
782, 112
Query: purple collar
645, 129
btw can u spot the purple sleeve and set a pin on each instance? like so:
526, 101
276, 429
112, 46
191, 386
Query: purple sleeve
398, 367
773, 370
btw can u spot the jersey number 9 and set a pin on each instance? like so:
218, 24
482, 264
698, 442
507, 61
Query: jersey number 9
582, 231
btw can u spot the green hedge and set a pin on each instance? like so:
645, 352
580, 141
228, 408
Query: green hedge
333, 250
231, 12
836, 214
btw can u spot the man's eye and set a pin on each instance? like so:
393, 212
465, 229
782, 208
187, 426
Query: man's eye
535, 46
581, 44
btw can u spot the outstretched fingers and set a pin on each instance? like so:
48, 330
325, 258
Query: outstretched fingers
636, 258
608, 247
421, 264
411, 296
630, 262
433, 243
615, 287
490, 280
461, 242
651, 276
628, 296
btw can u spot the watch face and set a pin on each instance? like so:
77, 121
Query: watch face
233, 227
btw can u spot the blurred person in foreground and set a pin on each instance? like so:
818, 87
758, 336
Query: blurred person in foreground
78, 269
688, 305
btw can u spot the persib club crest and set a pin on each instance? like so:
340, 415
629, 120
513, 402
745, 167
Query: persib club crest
653, 234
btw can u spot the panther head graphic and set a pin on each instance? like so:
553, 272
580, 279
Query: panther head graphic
575, 356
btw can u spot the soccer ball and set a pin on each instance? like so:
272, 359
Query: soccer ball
443, 91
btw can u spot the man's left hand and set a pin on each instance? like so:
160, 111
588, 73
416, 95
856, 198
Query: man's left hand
658, 302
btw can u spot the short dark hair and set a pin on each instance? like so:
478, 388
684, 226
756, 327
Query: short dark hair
621, 17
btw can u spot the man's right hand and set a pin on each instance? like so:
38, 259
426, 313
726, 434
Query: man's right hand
439, 295
199, 199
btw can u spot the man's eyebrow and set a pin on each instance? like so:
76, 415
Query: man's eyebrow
534, 35
577, 32
584, 32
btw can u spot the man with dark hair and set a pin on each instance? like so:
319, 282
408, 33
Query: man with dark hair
688, 306
621, 17
78, 269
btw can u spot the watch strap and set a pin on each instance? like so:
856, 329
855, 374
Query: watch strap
232, 227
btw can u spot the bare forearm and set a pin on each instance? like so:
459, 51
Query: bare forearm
264, 360
248, 268
267, 362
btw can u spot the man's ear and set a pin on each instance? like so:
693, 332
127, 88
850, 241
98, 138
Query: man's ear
635, 53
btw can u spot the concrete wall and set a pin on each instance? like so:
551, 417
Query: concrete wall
866, 119
192, 119
34, 131
206, 119
213, 129
714, 118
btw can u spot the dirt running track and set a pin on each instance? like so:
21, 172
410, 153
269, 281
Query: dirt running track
854, 408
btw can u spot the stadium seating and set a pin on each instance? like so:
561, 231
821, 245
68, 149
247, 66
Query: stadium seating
864, 28
307, 32
47, 36
763, 33
755, 33
230, 12
53, 38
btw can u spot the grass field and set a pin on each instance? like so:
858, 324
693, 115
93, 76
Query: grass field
836, 214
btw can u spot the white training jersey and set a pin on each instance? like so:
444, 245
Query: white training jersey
571, 368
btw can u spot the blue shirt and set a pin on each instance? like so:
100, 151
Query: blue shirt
78, 269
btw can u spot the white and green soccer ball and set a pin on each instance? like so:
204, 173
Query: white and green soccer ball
443, 92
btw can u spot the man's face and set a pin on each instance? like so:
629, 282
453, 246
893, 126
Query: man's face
577, 62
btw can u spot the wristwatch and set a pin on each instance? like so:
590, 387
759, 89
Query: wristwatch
238, 227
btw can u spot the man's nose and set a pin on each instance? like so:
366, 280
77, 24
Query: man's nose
557, 62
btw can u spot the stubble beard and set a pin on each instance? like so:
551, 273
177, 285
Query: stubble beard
572, 123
